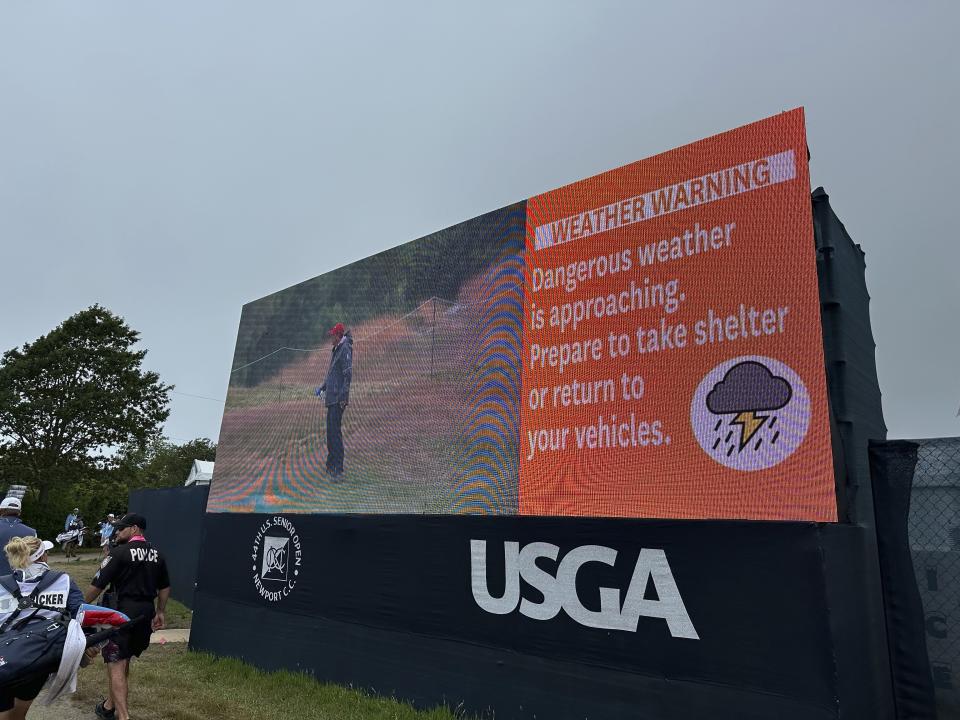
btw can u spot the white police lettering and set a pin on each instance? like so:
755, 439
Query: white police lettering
276, 559
144, 555
561, 591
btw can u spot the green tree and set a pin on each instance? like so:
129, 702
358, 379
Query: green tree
162, 463
70, 399
98, 491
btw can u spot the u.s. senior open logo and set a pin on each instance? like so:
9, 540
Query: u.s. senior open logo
276, 559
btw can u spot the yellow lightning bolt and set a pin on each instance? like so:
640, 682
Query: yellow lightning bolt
749, 423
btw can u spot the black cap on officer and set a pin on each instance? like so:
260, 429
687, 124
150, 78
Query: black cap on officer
131, 519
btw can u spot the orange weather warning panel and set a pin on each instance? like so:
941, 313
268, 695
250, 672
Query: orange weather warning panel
672, 346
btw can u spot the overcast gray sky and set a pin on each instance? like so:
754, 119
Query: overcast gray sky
175, 160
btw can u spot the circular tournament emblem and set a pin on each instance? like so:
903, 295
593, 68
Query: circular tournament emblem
276, 559
750, 413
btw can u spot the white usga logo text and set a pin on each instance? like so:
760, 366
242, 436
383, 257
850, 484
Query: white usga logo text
561, 591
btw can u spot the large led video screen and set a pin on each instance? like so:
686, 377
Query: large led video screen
643, 343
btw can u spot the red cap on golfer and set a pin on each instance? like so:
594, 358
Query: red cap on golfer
337, 329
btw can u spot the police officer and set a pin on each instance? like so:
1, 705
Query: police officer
137, 575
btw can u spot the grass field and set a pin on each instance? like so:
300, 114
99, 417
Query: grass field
170, 683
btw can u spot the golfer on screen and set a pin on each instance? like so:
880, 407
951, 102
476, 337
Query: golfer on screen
336, 390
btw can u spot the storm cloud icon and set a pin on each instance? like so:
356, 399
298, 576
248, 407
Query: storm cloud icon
748, 386
750, 413
747, 389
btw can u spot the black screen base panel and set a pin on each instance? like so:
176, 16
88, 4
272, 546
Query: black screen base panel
484, 681
778, 620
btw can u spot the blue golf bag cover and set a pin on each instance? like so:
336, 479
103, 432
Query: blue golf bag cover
33, 627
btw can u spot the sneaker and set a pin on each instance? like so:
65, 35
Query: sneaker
102, 711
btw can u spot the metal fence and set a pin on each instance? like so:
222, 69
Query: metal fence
933, 525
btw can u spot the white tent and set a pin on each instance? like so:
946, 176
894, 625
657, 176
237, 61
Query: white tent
201, 473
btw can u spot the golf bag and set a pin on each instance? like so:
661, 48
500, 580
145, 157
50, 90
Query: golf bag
32, 635
74, 535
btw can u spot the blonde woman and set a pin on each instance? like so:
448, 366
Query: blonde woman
53, 593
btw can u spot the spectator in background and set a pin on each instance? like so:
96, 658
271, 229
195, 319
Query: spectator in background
71, 519
106, 532
11, 527
76, 526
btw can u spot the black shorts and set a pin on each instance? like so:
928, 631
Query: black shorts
24, 690
133, 642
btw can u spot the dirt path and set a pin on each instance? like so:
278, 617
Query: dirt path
69, 708
63, 709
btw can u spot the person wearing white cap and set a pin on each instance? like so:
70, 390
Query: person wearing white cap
59, 596
11, 527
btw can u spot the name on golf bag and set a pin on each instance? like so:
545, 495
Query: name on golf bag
52, 599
